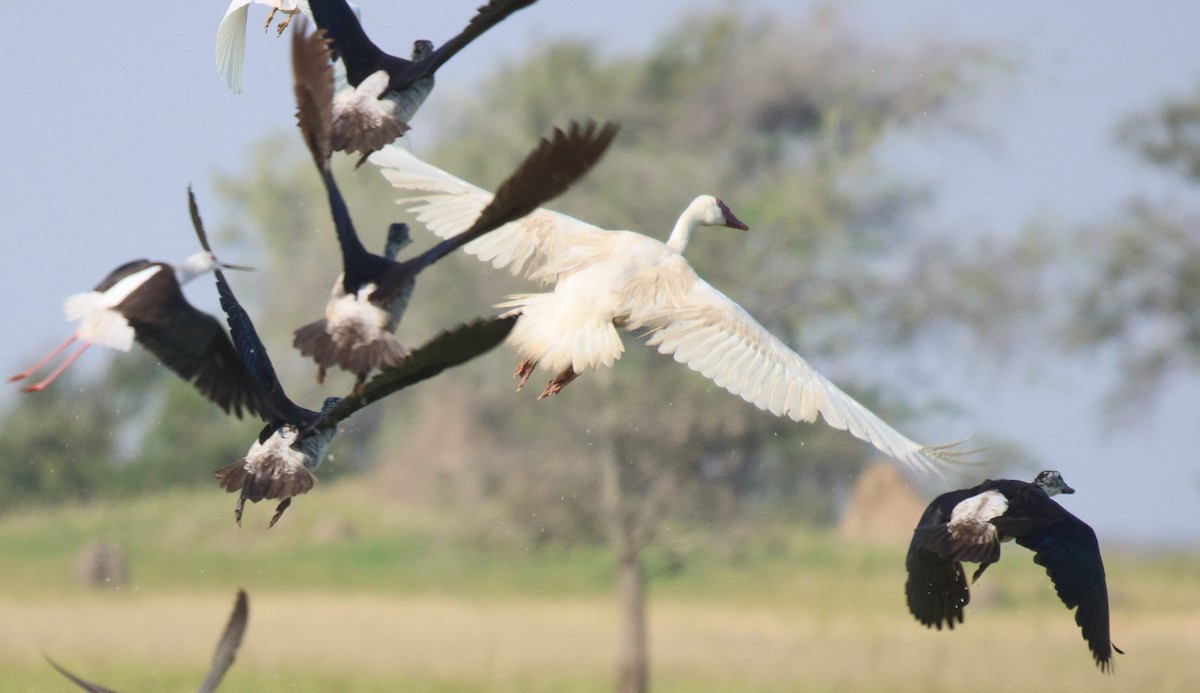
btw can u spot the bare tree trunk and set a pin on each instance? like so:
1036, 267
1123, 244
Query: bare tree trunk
631, 589
627, 540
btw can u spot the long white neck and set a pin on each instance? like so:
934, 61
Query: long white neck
682, 232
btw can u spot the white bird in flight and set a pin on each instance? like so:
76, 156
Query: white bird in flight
609, 279
231, 34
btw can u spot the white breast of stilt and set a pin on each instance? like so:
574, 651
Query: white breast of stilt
99, 323
970, 521
352, 320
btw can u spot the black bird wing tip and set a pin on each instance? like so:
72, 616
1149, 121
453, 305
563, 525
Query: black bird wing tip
227, 646
551, 168
197, 223
936, 589
85, 685
449, 348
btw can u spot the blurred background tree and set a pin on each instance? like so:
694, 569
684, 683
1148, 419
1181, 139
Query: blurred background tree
1138, 275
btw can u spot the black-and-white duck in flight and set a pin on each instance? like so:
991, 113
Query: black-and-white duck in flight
369, 298
143, 300
282, 460
970, 524
385, 90
223, 656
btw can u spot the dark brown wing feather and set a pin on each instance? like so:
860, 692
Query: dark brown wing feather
313, 77
227, 646
85, 685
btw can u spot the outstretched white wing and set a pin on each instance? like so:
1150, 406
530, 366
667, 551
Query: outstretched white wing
703, 328
448, 205
231, 44
231, 37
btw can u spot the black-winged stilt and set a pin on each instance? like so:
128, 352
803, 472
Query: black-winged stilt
968, 525
143, 300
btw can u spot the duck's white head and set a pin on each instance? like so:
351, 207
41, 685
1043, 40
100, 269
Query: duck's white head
1052, 483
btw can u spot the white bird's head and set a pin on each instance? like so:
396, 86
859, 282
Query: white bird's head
705, 210
1052, 483
710, 211
201, 263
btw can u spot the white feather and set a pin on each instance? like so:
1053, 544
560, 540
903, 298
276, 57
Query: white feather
970, 520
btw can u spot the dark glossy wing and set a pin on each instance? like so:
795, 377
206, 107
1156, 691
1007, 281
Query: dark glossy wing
1067, 548
197, 222
450, 348
228, 646
85, 685
350, 43
312, 76
545, 174
193, 344
936, 587
254, 357
485, 18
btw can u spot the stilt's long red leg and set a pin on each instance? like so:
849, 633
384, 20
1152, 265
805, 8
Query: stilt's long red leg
57, 371
45, 359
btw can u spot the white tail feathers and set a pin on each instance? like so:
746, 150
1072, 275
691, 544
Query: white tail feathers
100, 325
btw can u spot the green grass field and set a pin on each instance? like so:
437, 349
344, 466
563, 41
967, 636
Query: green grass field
402, 600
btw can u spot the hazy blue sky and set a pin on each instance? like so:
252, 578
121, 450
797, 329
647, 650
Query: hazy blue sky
110, 109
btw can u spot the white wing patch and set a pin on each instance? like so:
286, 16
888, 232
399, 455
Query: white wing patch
970, 521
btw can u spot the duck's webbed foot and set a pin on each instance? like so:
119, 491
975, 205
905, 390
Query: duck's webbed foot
524, 370
559, 382
279, 511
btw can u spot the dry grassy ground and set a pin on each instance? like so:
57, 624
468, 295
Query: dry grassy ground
805, 613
